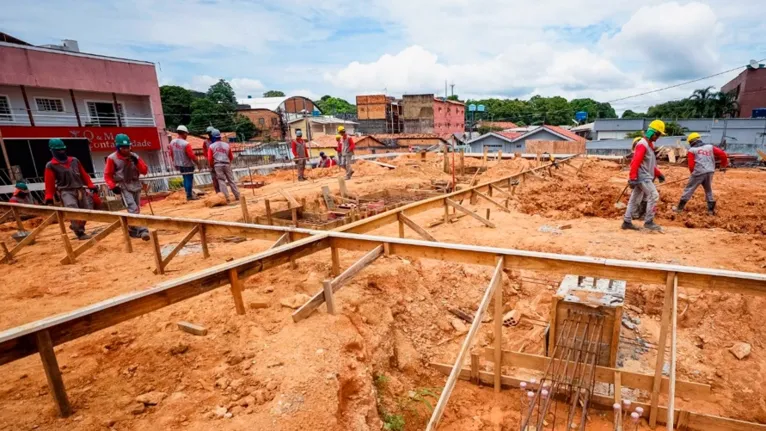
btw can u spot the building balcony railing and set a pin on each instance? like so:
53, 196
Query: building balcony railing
70, 119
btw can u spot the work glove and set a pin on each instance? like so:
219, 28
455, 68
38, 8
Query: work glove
661, 178
134, 158
117, 190
632, 183
48, 202
93, 189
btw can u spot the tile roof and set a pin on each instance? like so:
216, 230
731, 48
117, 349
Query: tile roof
569, 134
323, 141
503, 124
407, 136
510, 135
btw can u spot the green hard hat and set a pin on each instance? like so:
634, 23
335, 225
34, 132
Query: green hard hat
21, 185
56, 144
121, 140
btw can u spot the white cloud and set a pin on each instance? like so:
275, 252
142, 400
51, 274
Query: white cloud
201, 82
247, 86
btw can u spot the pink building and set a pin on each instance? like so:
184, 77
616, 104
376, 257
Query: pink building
85, 99
424, 113
449, 117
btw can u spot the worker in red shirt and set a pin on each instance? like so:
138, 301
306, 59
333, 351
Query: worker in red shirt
326, 162
123, 167
346, 151
701, 158
300, 151
643, 171
205, 145
21, 194
182, 156
66, 177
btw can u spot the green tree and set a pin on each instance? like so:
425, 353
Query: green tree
273, 93
628, 114
701, 102
551, 110
222, 93
725, 104
453, 97
674, 129
176, 105
594, 109
334, 105
244, 128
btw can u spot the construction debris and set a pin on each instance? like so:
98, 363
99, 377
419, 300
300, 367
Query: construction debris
740, 350
192, 328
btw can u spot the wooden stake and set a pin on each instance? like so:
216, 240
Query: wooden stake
60, 218
91, 242
342, 185
672, 388
293, 261
268, 212
401, 227
666, 311
245, 212
328, 299
177, 248
335, 269
468, 212
68, 247
328, 201
17, 216
412, 225
462, 162
52, 372
157, 252
126, 234
446, 211
236, 291
294, 215
488, 213
203, 240
498, 324
475, 368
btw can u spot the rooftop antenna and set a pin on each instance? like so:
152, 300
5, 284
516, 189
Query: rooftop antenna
453, 89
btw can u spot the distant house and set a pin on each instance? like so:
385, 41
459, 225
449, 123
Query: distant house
266, 121
323, 144
515, 142
412, 141
371, 145
502, 125
323, 125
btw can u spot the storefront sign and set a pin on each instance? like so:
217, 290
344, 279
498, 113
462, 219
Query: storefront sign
101, 138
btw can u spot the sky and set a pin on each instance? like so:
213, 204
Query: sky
603, 49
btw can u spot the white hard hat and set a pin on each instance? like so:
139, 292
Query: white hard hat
182, 128
209, 129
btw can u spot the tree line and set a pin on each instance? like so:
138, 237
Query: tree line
702, 103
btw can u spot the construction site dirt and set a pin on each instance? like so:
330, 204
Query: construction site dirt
369, 366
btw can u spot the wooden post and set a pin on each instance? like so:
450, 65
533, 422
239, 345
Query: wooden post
401, 227
488, 211
475, 368
462, 162
6, 254
328, 299
245, 212
664, 322
236, 291
268, 212
498, 323
157, 252
68, 248
335, 270
446, 211
17, 216
203, 241
60, 218
294, 214
52, 372
672, 386
486, 150
126, 234
293, 262
342, 186
499, 155
445, 166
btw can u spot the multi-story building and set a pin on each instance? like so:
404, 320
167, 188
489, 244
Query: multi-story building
269, 124
749, 88
424, 113
379, 114
84, 99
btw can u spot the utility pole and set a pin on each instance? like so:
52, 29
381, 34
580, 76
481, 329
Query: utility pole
453, 89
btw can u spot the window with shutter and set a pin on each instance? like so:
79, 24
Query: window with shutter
49, 105
5, 109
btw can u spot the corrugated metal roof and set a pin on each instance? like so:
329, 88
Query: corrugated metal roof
324, 120
270, 103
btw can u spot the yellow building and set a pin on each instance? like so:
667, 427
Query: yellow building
320, 126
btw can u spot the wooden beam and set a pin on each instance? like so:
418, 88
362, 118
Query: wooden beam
492, 201
328, 297
31, 236
177, 248
375, 162
70, 256
696, 421
236, 290
52, 372
284, 239
245, 212
501, 191
401, 225
290, 199
412, 225
126, 235
458, 366
335, 257
91, 242
465, 210
603, 374
203, 240
17, 216
157, 252
660, 363
268, 212
319, 298
672, 388
497, 320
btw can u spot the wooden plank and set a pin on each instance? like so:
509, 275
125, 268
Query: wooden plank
492, 201
126, 235
203, 240
328, 297
91, 242
696, 421
52, 372
245, 212
615, 336
672, 388
342, 186
375, 162
401, 225
501, 191
290, 199
236, 291
319, 298
268, 212
284, 239
617, 387
191, 328
465, 210
497, 319
32, 235
474, 364
177, 248
335, 256
458, 366
70, 256
17, 216
446, 211
412, 225
328, 200
603, 374
159, 269
664, 322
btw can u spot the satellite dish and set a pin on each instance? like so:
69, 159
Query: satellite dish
754, 64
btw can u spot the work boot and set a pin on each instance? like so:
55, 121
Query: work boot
82, 236
681, 205
626, 225
144, 236
651, 225
192, 198
711, 208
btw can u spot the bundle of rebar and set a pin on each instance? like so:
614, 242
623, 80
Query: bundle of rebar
570, 376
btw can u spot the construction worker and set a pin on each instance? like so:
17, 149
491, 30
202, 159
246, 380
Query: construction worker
346, 151
205, 146
21, 194
643, 171
220, 153
640, 211
300, 151
326, 162
551, 159
701, 159
182, 156
67, 176
121, 173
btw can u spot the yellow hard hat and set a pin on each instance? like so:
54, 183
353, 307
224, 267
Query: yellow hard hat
658, 126
341, 129
338, 137
693, 137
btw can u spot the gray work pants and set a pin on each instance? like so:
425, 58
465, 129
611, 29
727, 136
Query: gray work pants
301, 164
225, 176
346, 160
644, 188
132, 201
706, 180
77, 199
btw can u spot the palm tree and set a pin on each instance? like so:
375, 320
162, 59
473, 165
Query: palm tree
701, 101
725, 104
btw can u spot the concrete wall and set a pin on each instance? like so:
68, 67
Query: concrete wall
449, 117
424, 125
266, 121
371, 127
418, 106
